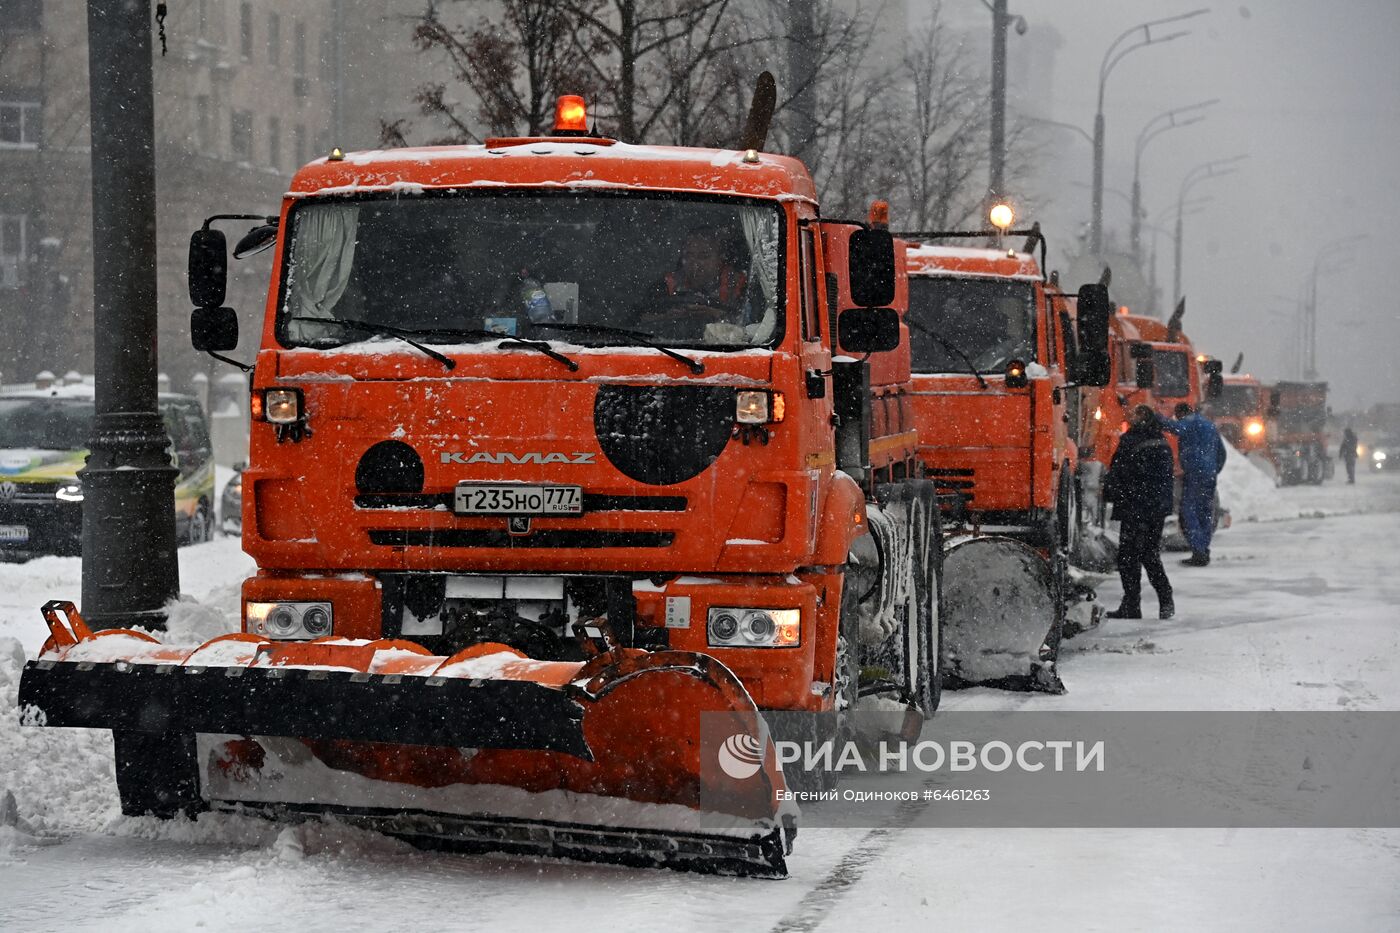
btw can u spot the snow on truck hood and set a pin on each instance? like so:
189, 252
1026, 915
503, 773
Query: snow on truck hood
554, 163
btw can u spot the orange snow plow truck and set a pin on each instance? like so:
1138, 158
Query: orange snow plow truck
998, 363
554, 476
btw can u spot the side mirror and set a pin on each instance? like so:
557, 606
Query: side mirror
871, 268
255, 241
1092, 364
1215, 382
869, 330
214, 329
1145, 370
208, 268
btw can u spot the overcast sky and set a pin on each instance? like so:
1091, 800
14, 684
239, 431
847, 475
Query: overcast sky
1311, 90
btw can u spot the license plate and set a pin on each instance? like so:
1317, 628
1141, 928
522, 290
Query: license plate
14, 534
515, 499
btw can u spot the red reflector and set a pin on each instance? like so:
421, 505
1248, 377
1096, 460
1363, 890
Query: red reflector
570, 114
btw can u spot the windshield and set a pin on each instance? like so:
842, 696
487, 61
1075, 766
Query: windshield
45, 423
1237, 401
1173, 379
992, 321
686, 272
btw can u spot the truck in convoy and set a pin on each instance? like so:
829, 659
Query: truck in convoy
536, 500
1241, 413
998, 364
44, 434
1298, 432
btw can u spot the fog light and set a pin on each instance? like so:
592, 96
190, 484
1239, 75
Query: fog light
724, 627
759, 628
282, 621
282, 406
317, 622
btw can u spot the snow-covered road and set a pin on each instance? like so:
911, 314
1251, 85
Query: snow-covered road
1296, 613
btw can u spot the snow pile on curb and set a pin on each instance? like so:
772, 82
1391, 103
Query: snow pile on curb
1249, 493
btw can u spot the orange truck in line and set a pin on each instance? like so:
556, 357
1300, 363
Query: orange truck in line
998, 365
526, 518
1298, 432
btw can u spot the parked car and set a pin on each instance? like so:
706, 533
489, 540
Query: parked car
43, 444
231, 503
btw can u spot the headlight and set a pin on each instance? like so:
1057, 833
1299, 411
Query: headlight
282, 406
753, 406
754, 628
1254, 428
290, 621
1378, 455
70, 493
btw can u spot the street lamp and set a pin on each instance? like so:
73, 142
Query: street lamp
1111, 58
1001, 19
1310, 321
1170, 120
1213, 169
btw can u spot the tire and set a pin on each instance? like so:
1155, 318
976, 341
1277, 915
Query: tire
200, 527
923, 642
157, 775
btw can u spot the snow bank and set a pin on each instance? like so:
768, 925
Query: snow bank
1249, 493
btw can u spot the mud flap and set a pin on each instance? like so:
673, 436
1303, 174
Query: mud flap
1002, 618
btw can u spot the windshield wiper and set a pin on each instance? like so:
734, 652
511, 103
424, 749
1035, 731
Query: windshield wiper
645, 340
949, 346
407, 337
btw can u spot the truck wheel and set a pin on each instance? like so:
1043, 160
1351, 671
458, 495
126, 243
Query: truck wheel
157, 775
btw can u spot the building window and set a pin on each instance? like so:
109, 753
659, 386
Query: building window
19, 124
12, 249
274, 142
20, 15
205, 139
245, 31
274, 39
241, 136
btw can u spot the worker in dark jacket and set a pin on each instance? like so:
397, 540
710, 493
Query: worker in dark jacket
1139, 484
1202, 454
1348, 454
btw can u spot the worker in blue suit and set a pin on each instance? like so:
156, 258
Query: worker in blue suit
1201, 453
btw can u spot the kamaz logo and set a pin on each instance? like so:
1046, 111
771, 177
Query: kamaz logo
507, 457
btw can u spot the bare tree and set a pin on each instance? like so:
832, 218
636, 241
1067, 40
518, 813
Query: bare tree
515, 66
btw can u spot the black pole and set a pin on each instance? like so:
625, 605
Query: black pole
1000, 21
129, 564
802, 57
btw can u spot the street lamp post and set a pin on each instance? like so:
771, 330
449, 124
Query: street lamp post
1199, 173
1001, 20
1310, 320
1111, 58
1170, 120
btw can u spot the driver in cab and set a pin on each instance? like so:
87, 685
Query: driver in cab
704, 293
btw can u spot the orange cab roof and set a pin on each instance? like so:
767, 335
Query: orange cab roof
583, 163
1240, 379
1153, 330
966, 260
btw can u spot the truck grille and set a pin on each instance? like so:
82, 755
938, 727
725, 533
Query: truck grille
592, 502
488, 538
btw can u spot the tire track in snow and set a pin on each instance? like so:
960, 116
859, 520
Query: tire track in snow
814, 908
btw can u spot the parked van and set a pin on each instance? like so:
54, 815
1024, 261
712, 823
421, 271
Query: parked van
43, 444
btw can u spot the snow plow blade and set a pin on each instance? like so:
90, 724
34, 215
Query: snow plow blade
1002, 620
487, 750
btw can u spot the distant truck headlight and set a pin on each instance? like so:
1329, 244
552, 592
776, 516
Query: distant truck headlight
1378, 455
754, 628
290, 621
70, 493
